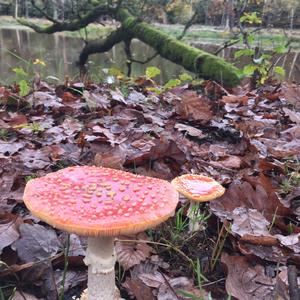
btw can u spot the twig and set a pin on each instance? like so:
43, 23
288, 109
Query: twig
42, 11
188, 24
169, 285
145, 61
292, 280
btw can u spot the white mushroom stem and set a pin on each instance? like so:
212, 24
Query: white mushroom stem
193, 215
100, 259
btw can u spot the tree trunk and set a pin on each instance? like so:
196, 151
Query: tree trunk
16, 9
192, 59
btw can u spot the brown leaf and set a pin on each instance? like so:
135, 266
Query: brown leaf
249, 221
9, 176
114, 159
36, 243
68, 97
72, 278
244, 195
293, 115
179, 284
117, 96
231, 162
71, 126
281, 148
17, 120
265, 250
291, 241
132, 253
282, 285
35, 159
154, 279
247, 281
9, 224
138, 289
192, 131
95, 101
291, 92
235, 99
194, 107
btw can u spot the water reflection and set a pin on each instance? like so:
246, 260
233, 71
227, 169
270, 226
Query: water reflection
60, 53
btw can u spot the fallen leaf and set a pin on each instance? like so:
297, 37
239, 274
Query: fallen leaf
293, 115
35, 159
235, 99
194, 107
244, 195
247, 281
192, 131
231, 162
138, 289
36, 243
132, 253
291, 92
68, 97
8, 230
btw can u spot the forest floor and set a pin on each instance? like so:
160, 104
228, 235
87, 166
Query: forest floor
249, 140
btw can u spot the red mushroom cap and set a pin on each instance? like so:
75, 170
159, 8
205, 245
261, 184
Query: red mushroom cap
198, 187
95, 201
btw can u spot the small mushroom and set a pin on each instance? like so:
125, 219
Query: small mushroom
197, 188
100, 203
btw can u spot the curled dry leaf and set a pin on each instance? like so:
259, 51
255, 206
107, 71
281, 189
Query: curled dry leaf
177, 288
138, 289
244, 195
291, 241
293, 115
249, 221
282, 285
231, 162
247, 281
291, 92
192, 131
235, 99
131, 252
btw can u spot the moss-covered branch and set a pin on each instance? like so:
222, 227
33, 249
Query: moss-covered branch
195, 60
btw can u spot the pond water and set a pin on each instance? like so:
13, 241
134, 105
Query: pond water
60, 54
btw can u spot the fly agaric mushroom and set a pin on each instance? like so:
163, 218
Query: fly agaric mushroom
100, 203
197, 188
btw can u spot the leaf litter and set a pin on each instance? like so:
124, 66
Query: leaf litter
247, 140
